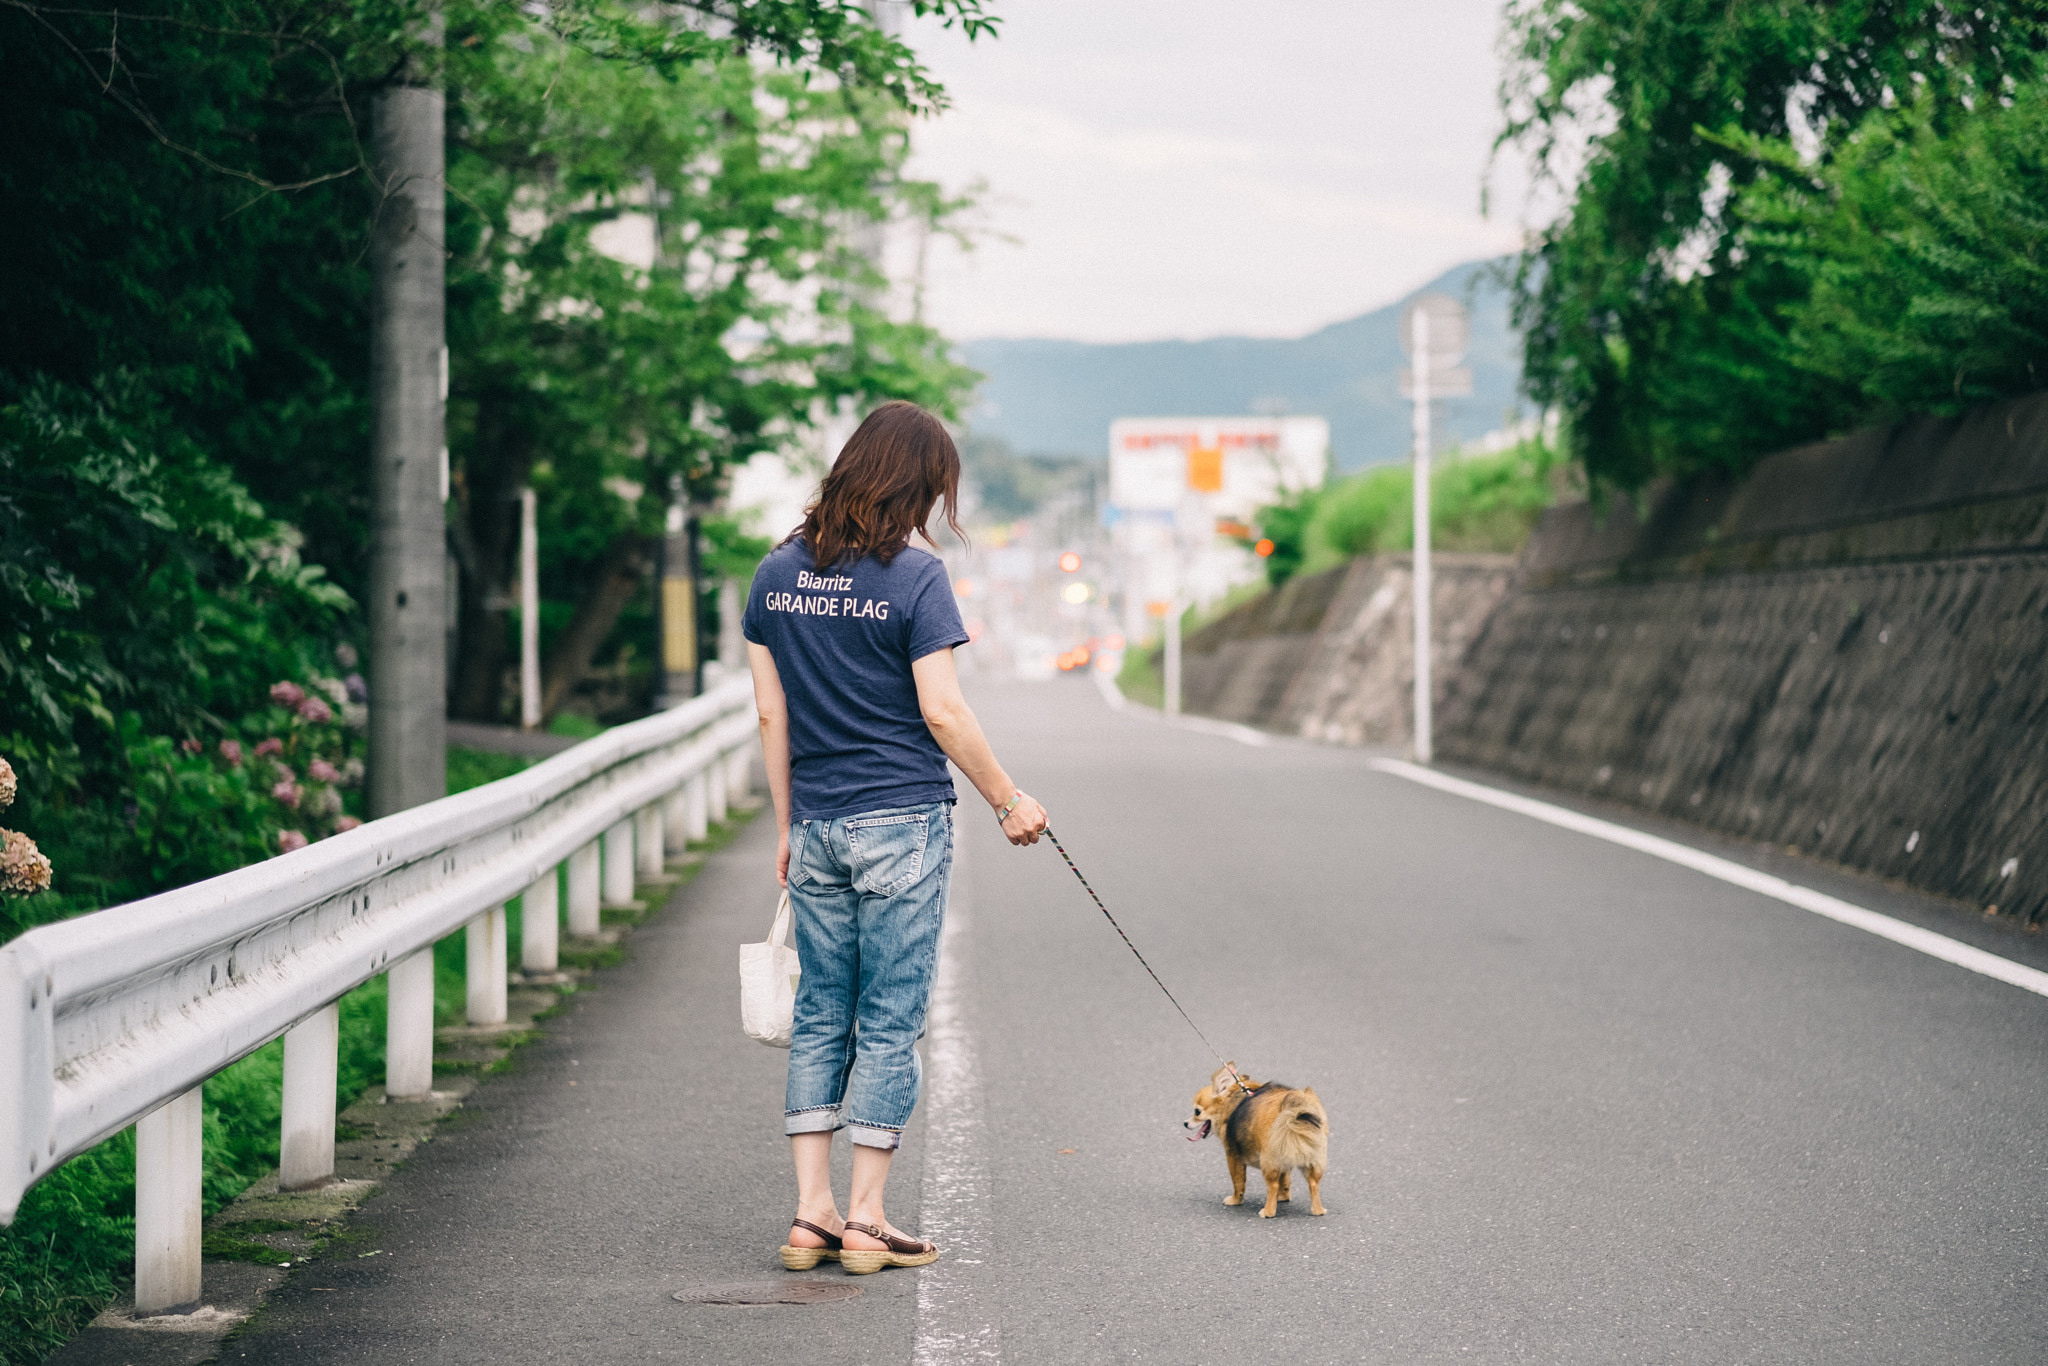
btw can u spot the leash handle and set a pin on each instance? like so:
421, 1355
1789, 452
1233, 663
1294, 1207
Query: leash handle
1141, 960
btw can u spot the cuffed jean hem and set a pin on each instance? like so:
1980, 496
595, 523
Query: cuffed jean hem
824, 1119
868, 1136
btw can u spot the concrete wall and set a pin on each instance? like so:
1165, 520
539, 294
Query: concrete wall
1844, 653
1331, 656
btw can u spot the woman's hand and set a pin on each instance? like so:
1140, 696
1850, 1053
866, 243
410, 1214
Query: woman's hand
1026, 821
782, 857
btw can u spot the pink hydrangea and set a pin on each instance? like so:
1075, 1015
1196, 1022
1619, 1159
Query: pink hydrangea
313, 709
265, 748
320, 771
288, 840
24, 869
231, 750
345, 823
190, 746
287, 694
286, 791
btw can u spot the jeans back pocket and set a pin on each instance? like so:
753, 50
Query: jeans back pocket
888, 851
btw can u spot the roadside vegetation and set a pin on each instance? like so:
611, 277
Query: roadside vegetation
1789, 220
1487, 502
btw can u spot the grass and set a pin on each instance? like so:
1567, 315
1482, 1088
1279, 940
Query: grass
1477, 503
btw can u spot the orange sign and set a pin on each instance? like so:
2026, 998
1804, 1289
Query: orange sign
1205, 469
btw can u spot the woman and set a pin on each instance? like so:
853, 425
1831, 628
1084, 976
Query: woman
850, 633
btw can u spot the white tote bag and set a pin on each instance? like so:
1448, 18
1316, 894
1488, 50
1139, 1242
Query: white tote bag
768, 978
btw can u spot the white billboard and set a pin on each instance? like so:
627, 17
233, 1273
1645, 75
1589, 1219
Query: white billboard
1234, 465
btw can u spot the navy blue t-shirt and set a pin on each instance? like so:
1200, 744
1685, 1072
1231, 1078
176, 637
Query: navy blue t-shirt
843, 642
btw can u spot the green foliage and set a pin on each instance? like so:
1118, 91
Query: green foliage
1286, 524
1651, 318
1923, 243
468, 768
1009, 486
1478, 503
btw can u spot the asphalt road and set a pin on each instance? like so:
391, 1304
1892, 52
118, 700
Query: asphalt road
1586, 1106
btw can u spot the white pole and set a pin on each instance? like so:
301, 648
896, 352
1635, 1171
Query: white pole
697, 808
675, 822
739, 775
409, 1027
719, 798
1421, 594
529, 613
584, 894
1173, 657
618, 864
485, 967
647, 855
306, 1150
169, 1147
540, 925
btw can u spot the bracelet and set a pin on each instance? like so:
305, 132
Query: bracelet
1004, 814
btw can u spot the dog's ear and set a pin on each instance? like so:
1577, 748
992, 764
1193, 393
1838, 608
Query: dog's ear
1222, 1079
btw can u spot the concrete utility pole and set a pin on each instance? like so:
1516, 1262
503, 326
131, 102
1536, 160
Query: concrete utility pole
1433, 332
409, 460
409, 380
1424, 722
529, 613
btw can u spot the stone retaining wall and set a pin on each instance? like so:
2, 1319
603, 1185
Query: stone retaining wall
1844, 654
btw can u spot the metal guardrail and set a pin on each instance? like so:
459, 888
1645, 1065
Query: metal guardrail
120, 1016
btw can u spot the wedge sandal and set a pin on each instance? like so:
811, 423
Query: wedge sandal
902, 1252
796, 1258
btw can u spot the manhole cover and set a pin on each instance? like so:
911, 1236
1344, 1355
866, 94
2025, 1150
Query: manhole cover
770, 1292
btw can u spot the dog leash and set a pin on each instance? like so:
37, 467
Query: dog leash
1141, 960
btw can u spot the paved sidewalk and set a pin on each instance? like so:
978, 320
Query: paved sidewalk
634, 1152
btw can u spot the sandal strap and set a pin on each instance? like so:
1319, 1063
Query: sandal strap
831, 1239
896, 1244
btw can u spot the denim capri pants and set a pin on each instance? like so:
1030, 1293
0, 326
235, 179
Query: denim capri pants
869, 895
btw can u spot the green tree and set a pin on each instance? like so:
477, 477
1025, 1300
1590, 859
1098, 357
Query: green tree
1648, 318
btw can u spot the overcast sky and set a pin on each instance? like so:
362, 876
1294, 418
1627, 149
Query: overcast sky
1189, 168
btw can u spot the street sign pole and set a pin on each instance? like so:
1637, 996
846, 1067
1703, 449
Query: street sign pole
1421, 594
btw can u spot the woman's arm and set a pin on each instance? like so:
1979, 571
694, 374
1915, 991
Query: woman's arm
773, 706
959, 734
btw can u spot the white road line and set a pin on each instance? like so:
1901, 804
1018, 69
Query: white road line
955, 1323
1203, 725
1898, 931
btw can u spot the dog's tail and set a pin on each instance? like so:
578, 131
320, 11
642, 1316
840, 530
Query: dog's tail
1302, 1111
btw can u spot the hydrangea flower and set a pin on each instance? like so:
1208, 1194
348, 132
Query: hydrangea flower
320, 771
287, 694
313, 709
346, 823
288, 840
231, 750
286, 791
23, 868
6, 784
265, 748
190, 746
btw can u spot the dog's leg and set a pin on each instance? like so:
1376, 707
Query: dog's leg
1272, 1193
1236, 1196
1315, 1190
1287, 1186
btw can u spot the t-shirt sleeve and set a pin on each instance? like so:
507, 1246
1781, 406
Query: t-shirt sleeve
751, 623
934, 615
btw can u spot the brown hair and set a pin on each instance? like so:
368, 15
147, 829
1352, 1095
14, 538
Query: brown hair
890, 475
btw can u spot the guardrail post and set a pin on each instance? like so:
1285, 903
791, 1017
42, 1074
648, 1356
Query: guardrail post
409, 1027
168, 1152
697, 806
647, 855
306, 1150
618, 864
675, 821
583, 890
486, 967
739, 778
719, 804
540, 925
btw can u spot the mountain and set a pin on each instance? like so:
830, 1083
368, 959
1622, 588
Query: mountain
1049, 397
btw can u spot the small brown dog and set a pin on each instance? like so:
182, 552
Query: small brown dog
1275, 1128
